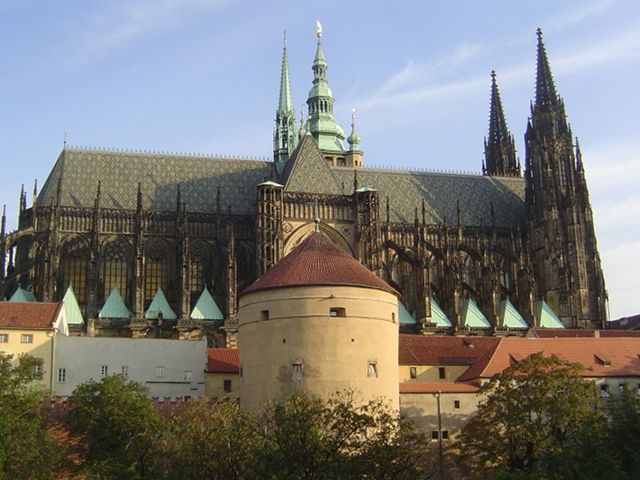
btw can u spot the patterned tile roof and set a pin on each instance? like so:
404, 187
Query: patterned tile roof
31, 315
317, 261
159, 175
436, 350
441, 193
223, 360
600, 357
306, 172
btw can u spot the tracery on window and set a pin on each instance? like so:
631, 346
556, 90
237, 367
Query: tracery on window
469, 271
156, 269
117, 261
74, 265
504, 273
198, 266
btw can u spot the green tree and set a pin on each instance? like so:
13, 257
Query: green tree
531, 417
208, 440
623, 434
27, 451
305, 438
117, 426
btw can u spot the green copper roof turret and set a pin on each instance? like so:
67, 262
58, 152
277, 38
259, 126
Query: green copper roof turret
74, 315
114, 307
206, 308
354, 138
159, 305
321, 123
22, 295
285, 104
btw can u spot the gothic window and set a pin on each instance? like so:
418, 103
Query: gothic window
197, 270
504, 273
469, 271
116, 272
156, 269
74, 268
434, 276
563, 173
403, 279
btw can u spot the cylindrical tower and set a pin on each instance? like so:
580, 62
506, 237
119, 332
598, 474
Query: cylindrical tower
318, 322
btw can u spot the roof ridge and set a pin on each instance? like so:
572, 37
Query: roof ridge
407, 170
129, 151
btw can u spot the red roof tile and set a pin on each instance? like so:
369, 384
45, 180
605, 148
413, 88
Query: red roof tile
600, 357
435, 387
317, 261
223, 360
32, 315
436, 350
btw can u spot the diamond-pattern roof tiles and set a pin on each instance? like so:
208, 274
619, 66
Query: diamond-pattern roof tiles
159, 175
307, 170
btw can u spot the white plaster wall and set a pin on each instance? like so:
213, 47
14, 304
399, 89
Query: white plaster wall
83, 357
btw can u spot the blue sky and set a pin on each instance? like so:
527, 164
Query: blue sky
202, 76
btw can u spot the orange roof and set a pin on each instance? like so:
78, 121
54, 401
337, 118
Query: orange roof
435, 387
580, 332
31, 315
317, 261
223, 360
600, 357
436, 350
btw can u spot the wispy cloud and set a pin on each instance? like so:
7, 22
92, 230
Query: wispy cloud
122, 21
404, 88
414, 74
578, 15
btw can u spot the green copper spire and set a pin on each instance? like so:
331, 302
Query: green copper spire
22, 295
321, 123
206, 308
354, 138
285, 137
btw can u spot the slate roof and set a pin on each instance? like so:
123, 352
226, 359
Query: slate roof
600, 357
306, 172
441, 193
29, 315
159, 175
223, 360
317, 261
436, 350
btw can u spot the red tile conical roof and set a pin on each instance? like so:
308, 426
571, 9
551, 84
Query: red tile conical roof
317, 261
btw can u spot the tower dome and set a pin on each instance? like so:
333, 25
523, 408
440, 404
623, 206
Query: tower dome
318, 322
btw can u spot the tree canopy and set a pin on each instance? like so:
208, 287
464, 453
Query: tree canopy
27, 450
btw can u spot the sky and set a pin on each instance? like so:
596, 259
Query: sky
201, 76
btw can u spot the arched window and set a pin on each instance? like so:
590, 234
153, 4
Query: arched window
469, 271
74, 265
198, 269
156, 269
504, 273
117, 265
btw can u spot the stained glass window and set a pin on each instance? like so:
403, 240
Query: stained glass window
74, 268
117, 266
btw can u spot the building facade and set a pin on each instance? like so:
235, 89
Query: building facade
143, 221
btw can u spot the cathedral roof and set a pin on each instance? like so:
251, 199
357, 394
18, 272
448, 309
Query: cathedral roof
307, 172
159, 174
317, 261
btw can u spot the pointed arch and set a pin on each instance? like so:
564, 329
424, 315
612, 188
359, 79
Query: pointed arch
116, 268
303, 231
74, 267
200, 268
159, 259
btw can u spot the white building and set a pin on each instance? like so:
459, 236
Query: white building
167, 368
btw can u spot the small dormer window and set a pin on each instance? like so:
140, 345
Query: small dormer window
338, 312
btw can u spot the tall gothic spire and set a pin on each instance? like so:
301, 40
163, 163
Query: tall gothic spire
285, 137
321, 122
285, 104
546, 94
499, 148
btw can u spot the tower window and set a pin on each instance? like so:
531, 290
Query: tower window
372, 369
264, 315
227, 386
338, 312
456, 404
297, 370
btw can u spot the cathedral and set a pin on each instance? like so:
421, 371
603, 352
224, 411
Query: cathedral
487, 254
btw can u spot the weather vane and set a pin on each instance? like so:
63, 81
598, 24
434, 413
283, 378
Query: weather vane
318, 29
